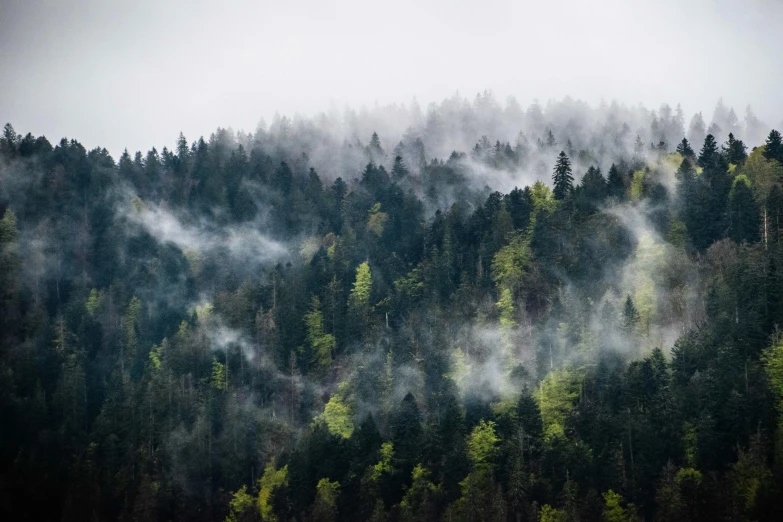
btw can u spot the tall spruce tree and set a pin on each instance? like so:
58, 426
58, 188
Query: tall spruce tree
399, 170
630, 314
709, 157
615, 185
593, 189
773, 148
562, 178
743, 212
735, 150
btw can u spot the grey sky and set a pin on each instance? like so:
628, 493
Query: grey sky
133, 74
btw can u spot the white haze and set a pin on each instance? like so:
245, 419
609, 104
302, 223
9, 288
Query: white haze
131, 74
245, 243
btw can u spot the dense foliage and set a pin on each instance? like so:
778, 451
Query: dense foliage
219, 332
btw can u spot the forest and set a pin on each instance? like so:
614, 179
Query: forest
469, 312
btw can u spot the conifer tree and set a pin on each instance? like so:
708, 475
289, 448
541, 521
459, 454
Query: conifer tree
615, 185
630, 314
406, 434
735, 150
743, 212
594, 185
709, 157
773, 148
9, 141
638, 147
562, 178
684, 148
399, 170
697, 129
550, 139
375, 150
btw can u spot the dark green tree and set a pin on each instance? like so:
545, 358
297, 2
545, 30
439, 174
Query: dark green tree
684, 148
735, 150
773, 148
594, 185
562, 178
399, 170
615, 185
743, 212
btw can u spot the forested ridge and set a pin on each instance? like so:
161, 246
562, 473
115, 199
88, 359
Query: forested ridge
554, 314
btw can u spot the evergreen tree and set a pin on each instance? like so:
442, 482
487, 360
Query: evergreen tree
709, 157
707, 204
638, 148
406, 436
550, 139
615, 185
684, 148
9, 141
743, 212
630, 315
399, 170
594, 186
697, 129
735, 150
773, 148
562, 178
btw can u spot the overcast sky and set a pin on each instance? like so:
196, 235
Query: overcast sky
133, 74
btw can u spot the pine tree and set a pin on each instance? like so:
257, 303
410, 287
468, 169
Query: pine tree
630, 314
638, 148
684, 148
594, 185
375, 150
709, 157
773, 149
550, 140
686, 194
743, 212
182, 161
9, 141
399, 170
406, 435
562, 178
708, 202
615, 185
697, 129
735, 150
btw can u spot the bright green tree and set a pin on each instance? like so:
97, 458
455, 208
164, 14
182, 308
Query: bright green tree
338, 417
321, 343
482, 443
325, 506
241, 503
272, 479
510, 263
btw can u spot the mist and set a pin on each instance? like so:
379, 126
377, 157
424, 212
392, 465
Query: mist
393, 262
